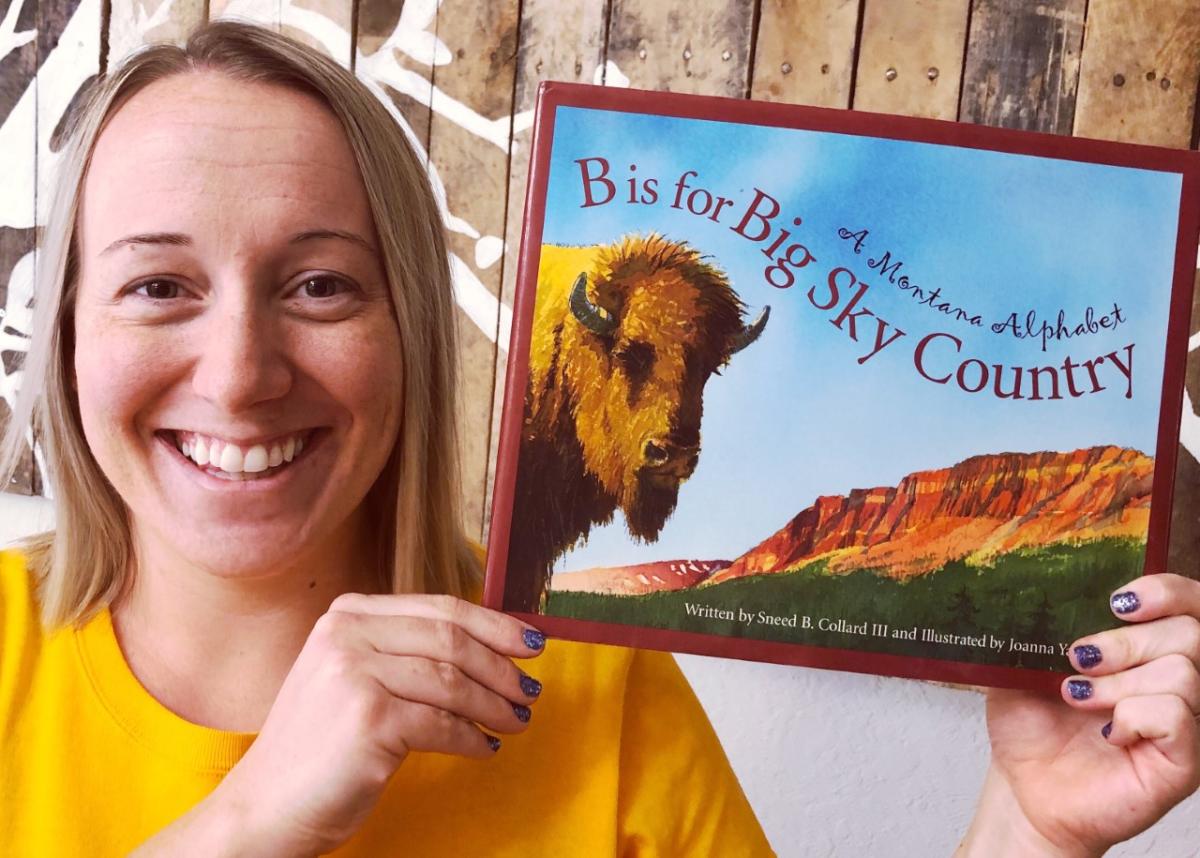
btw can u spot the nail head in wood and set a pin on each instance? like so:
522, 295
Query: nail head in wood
1118, 79
642, 54
1150, 75
1165, 83
727, 55
890, 74
687, 53
933, 73
786, 68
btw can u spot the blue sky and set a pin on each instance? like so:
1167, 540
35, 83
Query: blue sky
795, 416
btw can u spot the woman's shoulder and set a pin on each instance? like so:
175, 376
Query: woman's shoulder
18, 601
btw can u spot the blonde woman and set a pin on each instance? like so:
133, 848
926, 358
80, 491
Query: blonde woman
252, 631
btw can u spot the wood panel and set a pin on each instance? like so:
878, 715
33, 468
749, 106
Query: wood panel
559, 41
1022, 65
468, 150
1140, 67
396, 49
910, 57
322, 24
17, 209
134, 23
804, 52
698, 47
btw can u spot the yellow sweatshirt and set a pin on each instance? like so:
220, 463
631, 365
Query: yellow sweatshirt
619, 759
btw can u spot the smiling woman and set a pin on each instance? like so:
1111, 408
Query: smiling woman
243, 378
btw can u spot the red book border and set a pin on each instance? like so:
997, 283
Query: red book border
552, 95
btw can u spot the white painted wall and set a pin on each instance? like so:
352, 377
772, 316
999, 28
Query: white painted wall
835, 764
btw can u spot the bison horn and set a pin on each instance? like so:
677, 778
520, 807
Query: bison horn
595, 319
751, 332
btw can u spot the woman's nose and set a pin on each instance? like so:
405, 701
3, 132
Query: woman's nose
241, 360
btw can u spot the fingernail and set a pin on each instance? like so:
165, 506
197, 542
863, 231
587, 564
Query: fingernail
530, 686
1126, 602
1079, 689
534, 639
493, 742
1106, 730
1088, 655
522, 713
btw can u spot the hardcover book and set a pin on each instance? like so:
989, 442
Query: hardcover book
838, 389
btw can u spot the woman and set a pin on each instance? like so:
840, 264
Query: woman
243, 381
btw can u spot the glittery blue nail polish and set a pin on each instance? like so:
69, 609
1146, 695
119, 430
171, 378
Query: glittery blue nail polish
1079, 689
530, 687
522, 713
1088, 655
1106, 730
493, 742
1126, 602
534, 639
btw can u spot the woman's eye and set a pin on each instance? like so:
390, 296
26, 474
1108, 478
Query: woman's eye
158, 290
321, 287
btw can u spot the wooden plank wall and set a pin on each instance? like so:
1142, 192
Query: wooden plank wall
461, 77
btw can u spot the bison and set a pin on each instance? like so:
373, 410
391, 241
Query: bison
624, 338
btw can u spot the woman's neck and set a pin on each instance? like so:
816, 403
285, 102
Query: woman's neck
216, 649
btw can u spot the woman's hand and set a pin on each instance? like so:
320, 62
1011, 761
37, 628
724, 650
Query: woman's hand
378, 677
1074, 779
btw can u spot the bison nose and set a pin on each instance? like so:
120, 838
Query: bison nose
655, 452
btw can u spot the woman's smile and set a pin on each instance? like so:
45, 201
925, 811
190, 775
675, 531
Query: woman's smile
241, 461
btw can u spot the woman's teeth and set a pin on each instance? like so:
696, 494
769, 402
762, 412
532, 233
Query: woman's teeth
224, 459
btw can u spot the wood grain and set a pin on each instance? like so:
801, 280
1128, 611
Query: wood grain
910, 57
559, 41
805, 52
134, 23
699, 47
17, 168
468, 150
267, 13
322, 24
1022, 66
396, 47
1139, 73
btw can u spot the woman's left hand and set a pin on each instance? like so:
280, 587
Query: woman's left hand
1073, 779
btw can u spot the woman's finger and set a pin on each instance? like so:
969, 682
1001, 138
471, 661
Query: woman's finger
1119, 649
498, 631
419, 727
1172, 674
444, 686
1154, 596
1170, 725
438, 640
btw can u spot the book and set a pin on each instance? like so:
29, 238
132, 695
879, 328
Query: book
838, 389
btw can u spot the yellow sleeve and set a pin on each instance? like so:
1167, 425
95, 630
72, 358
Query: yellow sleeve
677, 793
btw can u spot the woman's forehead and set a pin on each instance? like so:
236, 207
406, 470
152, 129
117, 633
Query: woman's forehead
202, 144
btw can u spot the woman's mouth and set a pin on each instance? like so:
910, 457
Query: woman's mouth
228, 460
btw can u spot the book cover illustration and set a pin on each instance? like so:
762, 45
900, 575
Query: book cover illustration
834, 398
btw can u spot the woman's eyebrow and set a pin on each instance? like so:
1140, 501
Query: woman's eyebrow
175, 238
313, 234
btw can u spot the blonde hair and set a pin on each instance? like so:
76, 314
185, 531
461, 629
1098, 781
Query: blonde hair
85, 563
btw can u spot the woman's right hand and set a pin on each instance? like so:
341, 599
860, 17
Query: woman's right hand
378, 677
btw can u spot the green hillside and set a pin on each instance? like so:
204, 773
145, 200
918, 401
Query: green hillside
1039, 598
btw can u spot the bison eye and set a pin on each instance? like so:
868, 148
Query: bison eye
636, 358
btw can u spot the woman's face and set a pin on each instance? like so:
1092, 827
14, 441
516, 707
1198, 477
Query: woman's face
236, 359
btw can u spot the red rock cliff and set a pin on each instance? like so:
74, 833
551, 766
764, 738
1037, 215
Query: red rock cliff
978, 509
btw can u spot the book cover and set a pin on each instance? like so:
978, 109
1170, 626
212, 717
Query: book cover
838, 389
